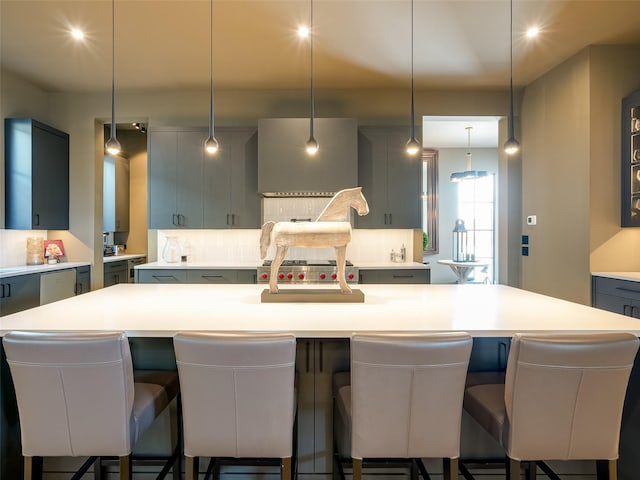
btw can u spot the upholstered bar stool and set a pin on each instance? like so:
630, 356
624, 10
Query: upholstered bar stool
238, 397
77, 397
562, 400
404, 399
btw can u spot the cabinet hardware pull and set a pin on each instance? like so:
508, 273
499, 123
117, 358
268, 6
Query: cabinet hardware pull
2, 290
402, 276
635, 312
228, 219
624, 310
625, 289
161, 277
502, 356
175, 219
181, 221
385, 218
8, 290
390, 218
321, 357
233, 219
37, 219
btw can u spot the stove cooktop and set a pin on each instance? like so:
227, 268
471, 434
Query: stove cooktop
310, 263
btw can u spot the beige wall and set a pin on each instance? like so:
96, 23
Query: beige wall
555, 173
615, 72
571, 172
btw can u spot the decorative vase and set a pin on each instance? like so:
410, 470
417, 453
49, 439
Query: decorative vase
171, 251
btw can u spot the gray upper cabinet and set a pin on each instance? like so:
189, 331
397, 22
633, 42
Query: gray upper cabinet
116, 194
231, 180
175, 167
390, 179
36, 176
190, 189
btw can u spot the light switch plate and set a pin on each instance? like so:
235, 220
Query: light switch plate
532, 220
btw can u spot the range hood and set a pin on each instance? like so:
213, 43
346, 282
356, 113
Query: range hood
286, 170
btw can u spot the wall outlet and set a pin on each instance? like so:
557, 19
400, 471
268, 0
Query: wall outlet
525, 251
532, 220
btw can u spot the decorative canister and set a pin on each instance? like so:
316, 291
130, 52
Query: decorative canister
171, 251
35, 250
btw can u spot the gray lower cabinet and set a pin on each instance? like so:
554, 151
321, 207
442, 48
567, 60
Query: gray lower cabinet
391, 180
83, 279
395, 275
614, 295
116, 272
19, 293
195, 275
316, 362
189, 189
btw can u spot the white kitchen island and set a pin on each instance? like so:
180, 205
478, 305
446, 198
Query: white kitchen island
152, 313
160, 310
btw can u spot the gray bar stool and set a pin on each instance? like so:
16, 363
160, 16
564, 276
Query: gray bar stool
78, 396
238, 397
403, 401
562, 400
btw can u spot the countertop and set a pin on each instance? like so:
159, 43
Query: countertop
253, 265
27, 269
630, 276
160, 310
124, 256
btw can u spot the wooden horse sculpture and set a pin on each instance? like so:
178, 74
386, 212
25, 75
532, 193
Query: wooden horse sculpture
331, 229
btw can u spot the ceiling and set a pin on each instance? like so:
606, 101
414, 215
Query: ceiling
357, 43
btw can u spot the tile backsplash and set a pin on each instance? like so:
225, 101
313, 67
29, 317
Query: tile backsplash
13, 246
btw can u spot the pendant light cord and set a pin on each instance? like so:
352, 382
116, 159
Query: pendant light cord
211, 68
113, 69
413, 127
312, 108
511, 129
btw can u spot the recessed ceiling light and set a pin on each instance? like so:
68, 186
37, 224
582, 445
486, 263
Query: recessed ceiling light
77, 33
533, 32
303, 31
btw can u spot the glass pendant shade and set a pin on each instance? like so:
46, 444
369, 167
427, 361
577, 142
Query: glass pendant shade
211, 145
511, 146
413, 146
312, 146
113, 145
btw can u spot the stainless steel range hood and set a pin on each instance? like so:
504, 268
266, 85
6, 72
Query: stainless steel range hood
285, 169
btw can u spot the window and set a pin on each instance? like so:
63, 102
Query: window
430, 200
476, 206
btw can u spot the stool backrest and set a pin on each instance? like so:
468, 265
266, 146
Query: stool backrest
406, 394
564, 395
74, 392
237, 394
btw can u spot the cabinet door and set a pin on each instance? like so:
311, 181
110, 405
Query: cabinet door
188, 175
404, 179
316, 362
163, 154
19, 293
396, 275
161, 276
217, 182
83, 279
372, 176
50, 179
115, 272
211, 276
245, 203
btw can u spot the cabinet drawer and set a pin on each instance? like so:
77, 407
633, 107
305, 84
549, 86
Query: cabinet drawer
162, 276
211, 276
619, 288
396, 275
115, 267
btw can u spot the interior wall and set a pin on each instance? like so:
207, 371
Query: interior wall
556, 181
454, 160
615, 73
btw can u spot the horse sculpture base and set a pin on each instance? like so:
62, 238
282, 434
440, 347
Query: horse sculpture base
312, 295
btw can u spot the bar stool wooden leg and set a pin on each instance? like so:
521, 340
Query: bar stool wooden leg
126, 468
513, 469
357, 469
191, 467
285, 468
607, 469
450, 469
32, 468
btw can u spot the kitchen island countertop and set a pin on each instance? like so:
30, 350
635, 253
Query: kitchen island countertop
254, 265
161, 310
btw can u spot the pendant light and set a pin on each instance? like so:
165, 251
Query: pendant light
113, 145
511, 146
469, 173
312, 144
211, 144
413, 146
